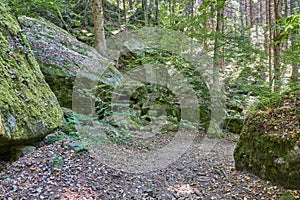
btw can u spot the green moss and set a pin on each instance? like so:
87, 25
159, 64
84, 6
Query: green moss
266, 156
28, 107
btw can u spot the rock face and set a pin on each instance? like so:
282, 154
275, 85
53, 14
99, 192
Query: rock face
28, 108
270, 141
62, 57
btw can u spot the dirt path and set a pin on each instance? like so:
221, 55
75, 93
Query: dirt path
198, 174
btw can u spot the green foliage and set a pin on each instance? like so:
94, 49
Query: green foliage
63, 13
119, 136
274, 100
54, 137
34, 8
271, 101
290, 28
286, 196
77, 147
56, 162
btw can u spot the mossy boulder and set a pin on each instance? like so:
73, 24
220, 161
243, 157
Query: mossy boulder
134, 54
29, 109
269, 145
62, 57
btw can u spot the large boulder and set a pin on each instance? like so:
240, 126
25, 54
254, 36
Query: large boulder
62, 57
269, 145
28, 108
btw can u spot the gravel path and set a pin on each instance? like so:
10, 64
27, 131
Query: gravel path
198, 174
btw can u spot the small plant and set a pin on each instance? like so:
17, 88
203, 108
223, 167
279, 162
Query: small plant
56, 162
119, 137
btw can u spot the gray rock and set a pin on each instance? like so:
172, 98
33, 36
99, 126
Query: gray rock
62, 58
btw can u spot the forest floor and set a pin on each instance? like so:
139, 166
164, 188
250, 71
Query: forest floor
198, 174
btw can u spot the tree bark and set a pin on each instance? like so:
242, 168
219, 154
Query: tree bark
145, 11
246, 13
156, 12
217, 110
124, 11
277, 42
261, 13
269, 19
100, 43
295, 72
251, 13
295, 66
119, 12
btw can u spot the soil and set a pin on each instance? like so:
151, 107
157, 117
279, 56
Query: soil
205, 171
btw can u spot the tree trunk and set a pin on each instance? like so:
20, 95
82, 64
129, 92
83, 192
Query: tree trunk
218, 32
124, 11
145, 11
269, 19
192, 10
246, 13
277, 42
119, 12
295, 72
261, 13
217, 110
251, 13
100, 43
156, 12
242, 17
295, 66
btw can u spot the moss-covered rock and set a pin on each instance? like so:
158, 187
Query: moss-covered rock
269, 145
28, 108
61, 57
134, 55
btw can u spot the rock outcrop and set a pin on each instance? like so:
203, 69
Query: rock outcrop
28, 108
269, 145
62, 57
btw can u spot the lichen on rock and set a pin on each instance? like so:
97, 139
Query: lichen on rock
28, 108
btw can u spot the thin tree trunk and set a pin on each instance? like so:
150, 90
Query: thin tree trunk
192, 10
156, 12
277, 42
251, 13
145, 11
246, 13
119, 12
242, 17
130, 5
295, 72
261, 13
100, 43
270, 39
218, 31
124, 11
217, 112
295, 66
